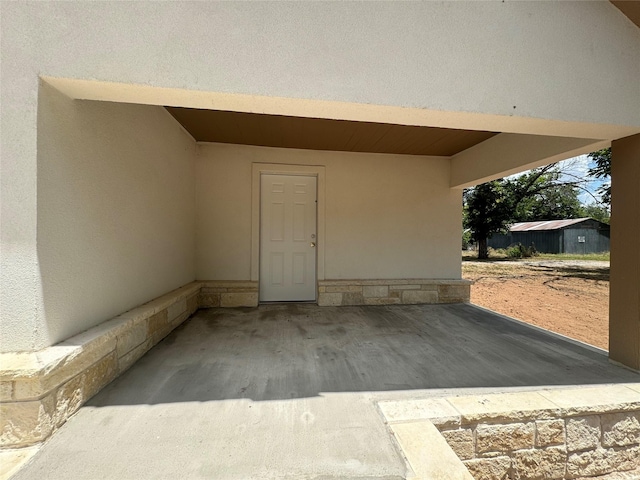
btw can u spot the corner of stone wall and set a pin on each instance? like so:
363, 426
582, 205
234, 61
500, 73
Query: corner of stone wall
579, 433
40, 390
220, 293
567, 447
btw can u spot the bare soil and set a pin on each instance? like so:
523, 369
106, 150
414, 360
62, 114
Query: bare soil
570, 297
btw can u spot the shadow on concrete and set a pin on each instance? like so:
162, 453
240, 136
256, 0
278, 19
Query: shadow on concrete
277, 352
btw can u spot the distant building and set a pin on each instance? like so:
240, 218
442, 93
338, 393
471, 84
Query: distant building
577, 235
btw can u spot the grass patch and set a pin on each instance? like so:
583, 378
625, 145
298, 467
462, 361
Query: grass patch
500, 254
601, 257
492, 269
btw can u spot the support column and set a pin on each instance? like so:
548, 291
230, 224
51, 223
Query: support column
624, 301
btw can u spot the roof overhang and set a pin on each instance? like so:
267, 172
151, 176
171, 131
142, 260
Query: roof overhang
481, 147
630, 8
333, 110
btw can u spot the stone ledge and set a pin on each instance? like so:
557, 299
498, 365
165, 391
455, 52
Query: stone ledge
518, 406
610, 399
562, 433
40, 390
437, 410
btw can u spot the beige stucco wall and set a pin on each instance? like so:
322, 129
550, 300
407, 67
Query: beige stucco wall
466, 56
386, 216
447, 60
115, 215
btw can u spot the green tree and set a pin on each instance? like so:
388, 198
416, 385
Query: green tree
553, 202
487, 211
602, 170
597, 211
540, 194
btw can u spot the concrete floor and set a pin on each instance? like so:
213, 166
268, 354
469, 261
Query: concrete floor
289, 391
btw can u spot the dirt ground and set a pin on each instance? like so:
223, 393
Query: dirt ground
570, 297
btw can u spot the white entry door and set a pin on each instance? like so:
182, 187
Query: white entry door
287, 238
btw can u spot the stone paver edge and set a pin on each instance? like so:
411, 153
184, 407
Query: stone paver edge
530, 405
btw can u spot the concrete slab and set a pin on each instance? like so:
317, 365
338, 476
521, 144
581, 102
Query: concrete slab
289, 391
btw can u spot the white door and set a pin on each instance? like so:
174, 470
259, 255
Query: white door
287, 238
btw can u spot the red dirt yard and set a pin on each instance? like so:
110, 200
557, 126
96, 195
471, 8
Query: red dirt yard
570, 297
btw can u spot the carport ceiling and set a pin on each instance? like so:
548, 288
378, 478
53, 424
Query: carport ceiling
323, 134
630, 8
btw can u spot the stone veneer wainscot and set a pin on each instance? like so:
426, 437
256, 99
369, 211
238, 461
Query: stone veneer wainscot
408, 291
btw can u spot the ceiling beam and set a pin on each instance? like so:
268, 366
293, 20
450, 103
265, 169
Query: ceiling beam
507, 154
357, 112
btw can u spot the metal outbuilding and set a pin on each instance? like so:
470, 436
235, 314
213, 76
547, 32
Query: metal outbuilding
576, 235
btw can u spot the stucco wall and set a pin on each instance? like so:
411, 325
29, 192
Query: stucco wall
527, 55
386, 216
441, 56
115, 216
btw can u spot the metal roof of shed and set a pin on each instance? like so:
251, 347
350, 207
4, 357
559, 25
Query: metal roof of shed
545, 225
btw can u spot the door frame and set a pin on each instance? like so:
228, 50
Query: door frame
318, 171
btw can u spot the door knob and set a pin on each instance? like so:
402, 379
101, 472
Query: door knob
313, 244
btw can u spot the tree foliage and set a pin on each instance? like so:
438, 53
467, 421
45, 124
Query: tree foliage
602, 170
596, 211
487, 211
544, 196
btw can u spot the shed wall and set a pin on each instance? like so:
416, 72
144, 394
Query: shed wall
596, 241
499, 240
559, 241
544, 241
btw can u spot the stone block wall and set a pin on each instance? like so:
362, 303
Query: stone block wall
39, 391
556, 448
228, 294
578, 433
392, 291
